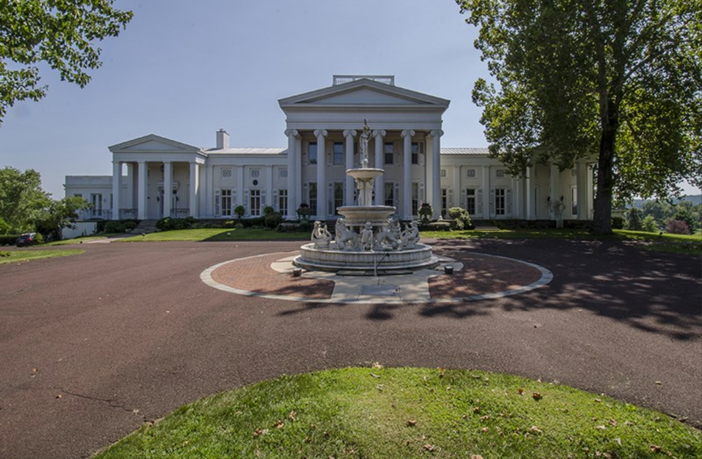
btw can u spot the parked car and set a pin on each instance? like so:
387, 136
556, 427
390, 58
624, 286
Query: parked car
26, 239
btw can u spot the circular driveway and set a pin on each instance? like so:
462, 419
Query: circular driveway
94, 345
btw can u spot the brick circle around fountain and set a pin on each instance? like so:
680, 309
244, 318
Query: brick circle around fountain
482, 277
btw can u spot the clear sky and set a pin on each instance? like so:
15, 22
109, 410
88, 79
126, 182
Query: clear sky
184, 69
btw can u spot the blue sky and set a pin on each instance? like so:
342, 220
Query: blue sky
184, 69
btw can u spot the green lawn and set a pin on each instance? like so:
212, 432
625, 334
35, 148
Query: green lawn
82, 239
219, 234
16, 256
406, 412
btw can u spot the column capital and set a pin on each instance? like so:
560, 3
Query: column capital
320, 132
436, 133
379, 133
292, 132
350, 133
407, 132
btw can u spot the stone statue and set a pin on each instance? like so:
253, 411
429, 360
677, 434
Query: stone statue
345, 238
389, 238
557, 207
410, 236
321, 236
367, 237
365, 137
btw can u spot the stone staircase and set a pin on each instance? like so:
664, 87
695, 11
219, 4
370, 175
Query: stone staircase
145, 227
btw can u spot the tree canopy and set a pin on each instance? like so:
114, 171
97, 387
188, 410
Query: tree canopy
616, 81
59, 33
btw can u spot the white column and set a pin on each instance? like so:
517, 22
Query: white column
527, 195
194, 188
167, 188
555, 191
293, 171
407, 174
349, 186
239, 170
129, 203
486, 192
582, 185
298, 172
379, 135
141, 191
269, 186
116, 187
321, 135
516, 197
434, 176
209, 191
456, 186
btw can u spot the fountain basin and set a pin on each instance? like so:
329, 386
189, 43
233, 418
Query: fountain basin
420, 257
364, 173
359, 215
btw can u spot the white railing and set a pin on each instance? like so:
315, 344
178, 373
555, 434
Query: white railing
386, 79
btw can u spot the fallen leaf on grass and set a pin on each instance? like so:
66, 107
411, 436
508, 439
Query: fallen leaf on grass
429, 447
602, 427
476, 456
485, 418
59, 396
374, 375
655, 448
612, 421
521, 391
485, 429
537, 396
279, 424
377, 365
292, 416
535, 429
411, 423
258, 432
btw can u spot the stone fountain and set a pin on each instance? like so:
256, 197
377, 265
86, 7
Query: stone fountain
367, 239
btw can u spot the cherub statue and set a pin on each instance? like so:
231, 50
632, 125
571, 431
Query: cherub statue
321, 236
410, 236
345, 238
367, 237
557, 207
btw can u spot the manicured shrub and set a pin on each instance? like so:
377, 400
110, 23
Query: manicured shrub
435, 226
676, 227
272, 220
267, 210
426, 212
122, 226
5, 254
239, 211
460, 217
229, 224
39, 239
169, 224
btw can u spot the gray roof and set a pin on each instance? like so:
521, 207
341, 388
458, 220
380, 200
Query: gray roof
465, 151
248, 151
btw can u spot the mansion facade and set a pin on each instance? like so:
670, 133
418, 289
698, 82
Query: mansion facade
154, 177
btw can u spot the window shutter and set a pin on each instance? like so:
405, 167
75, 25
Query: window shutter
398, 156
330, 198
464, 192
247, 198
450, 198
396, 194
263, 198
508, 201
217, 203
329, 152
492, 201
306, 193
305, 156
276, 201
235, 201
479, 202
422, 159
421, 193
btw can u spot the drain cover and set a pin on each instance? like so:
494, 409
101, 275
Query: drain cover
380, 290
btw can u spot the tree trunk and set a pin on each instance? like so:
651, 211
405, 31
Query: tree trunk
602, 220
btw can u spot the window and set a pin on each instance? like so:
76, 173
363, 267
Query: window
226, 173
415, 153
78, 195
283, 201
574, 200
283, 172
255, 202
312, 198
415, 198
226, 203
444, 201
500, 173
312, 152
470, 201
338, 195
255, 173
389, 193
500, 201
96, 203
389, 152
338, 157
471, 172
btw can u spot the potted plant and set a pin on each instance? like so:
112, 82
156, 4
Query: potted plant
304, 212
239, 211
425, 212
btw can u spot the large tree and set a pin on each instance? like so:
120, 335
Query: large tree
619, 81
58, 33
22, 200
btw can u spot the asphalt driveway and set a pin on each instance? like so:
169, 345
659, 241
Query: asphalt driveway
94, 345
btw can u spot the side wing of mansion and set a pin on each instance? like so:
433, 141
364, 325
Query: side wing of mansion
154, 177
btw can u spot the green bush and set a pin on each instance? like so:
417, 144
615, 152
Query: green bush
229, 224
239, 211
267, 210
633, 219
169, 224
426, 212
617, 223
272, 220
4, 227
649, 224
435, 226
8, 239
39, 239
5, 254
460, 217
122, 226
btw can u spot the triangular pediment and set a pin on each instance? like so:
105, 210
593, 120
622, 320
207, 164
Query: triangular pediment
153, 143
363, 92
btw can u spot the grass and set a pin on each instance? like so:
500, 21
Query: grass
82, 239
219, 234
409, 412
670, 243
16, 256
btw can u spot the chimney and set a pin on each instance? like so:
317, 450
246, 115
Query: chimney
222, 139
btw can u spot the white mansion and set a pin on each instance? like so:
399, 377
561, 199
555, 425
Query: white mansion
155, 177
